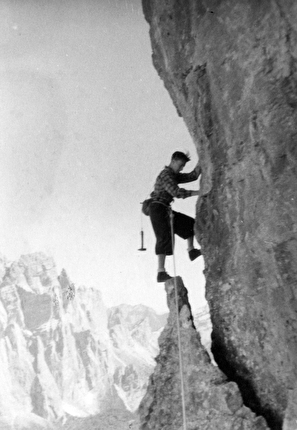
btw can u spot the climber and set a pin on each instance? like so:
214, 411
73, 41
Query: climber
165, 189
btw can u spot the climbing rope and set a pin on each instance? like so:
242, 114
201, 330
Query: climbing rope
178, 329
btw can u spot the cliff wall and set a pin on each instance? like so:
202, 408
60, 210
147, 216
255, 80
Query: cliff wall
230, 69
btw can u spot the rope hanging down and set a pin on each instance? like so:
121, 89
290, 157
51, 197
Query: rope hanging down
178, 329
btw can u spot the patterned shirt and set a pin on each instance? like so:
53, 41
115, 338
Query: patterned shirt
166, 187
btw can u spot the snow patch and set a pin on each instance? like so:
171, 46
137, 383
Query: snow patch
74, 410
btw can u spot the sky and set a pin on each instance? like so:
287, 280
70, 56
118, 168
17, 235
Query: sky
86, 126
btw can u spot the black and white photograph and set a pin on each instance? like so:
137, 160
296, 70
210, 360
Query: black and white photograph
148, 215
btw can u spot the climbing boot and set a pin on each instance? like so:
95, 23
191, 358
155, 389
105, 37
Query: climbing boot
194, 253
163, 277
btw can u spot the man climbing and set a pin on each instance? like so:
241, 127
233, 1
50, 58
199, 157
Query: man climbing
165, 189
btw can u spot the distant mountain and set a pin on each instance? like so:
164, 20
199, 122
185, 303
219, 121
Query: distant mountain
68, 362
64, 356
204, 327
134, 332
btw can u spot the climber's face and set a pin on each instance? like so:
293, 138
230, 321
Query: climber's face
178, 165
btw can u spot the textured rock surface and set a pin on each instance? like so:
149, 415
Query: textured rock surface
211, 401
290, 422
64, 354
230, 68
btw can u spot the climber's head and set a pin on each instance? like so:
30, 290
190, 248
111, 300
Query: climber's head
178, 161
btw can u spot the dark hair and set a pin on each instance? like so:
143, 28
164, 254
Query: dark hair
178, 155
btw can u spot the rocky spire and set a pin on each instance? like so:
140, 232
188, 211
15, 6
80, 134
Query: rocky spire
211, 401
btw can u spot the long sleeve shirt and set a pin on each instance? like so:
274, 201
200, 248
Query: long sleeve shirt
166, 185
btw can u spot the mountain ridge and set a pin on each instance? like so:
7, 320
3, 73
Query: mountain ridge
56, 345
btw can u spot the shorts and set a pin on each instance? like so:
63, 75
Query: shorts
183, 226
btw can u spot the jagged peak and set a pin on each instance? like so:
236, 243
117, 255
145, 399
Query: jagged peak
209, 398
36, 258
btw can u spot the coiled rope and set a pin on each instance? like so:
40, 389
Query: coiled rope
178, 329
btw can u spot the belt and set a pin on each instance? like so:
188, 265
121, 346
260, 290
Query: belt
161, 203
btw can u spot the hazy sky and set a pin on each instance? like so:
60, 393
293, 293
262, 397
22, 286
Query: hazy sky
86, 125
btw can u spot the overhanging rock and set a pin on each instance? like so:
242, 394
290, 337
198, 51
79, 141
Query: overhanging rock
211, 401
230, 68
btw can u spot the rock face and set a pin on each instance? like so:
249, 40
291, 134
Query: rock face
63, 353
211, 402
230, 69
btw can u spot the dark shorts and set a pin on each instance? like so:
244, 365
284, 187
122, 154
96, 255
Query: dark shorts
183, 226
